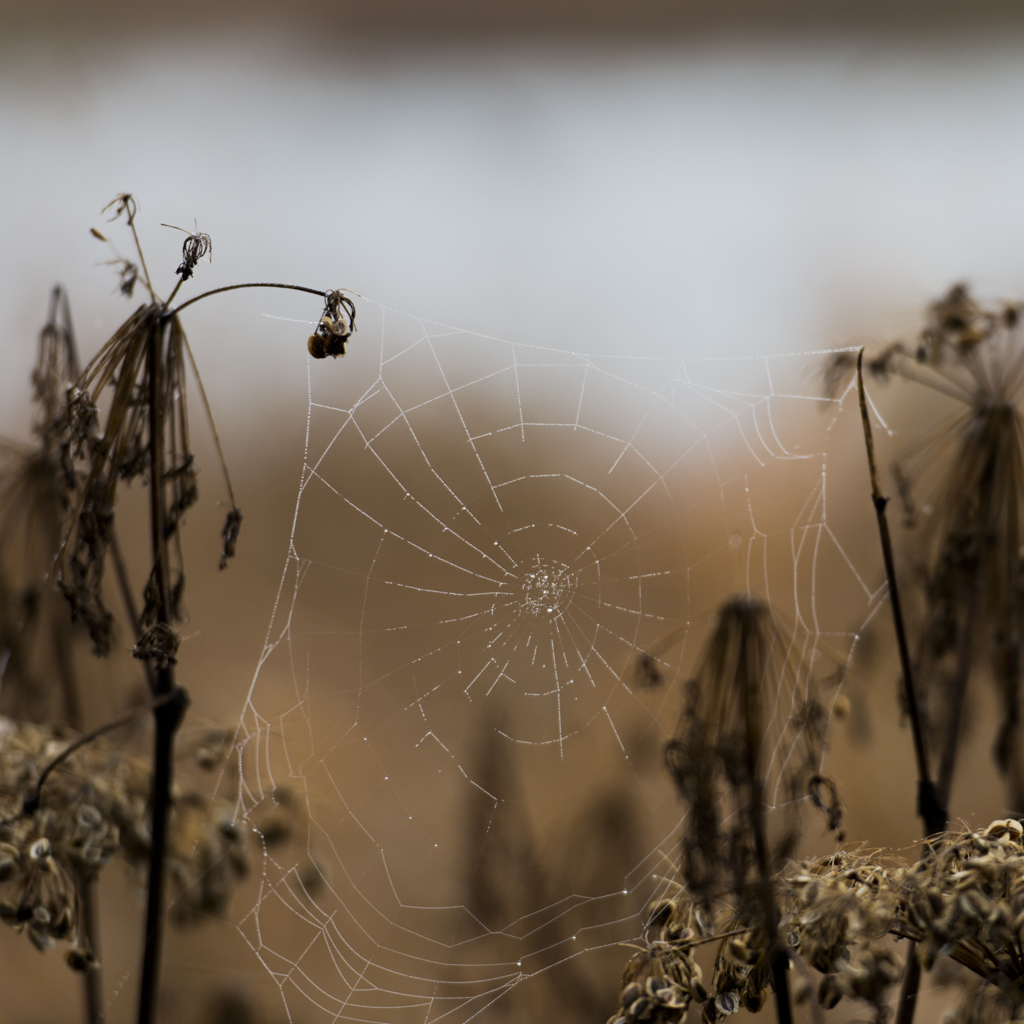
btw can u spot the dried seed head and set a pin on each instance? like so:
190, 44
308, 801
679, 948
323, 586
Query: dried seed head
337, 324
196, 246
123, 203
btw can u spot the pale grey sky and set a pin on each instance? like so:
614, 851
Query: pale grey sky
772, 194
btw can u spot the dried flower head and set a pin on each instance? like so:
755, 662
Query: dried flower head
337, 324
196, 246
95, 804
122, 203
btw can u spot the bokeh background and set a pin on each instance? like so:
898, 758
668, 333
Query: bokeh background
664, 180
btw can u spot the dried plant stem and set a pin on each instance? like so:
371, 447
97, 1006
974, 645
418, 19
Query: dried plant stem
931, 802
931, 805
910, 987
92, 978
142, 258
167, 715
234, 287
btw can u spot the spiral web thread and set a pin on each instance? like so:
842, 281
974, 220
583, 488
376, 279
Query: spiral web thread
485, 534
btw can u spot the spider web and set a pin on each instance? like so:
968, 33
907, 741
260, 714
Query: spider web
486, 532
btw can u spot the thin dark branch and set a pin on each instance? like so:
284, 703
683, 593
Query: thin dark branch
251, 284
92, 978
929, 807
168, 714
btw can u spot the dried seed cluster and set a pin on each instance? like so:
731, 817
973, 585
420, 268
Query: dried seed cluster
95, 805
337, 324
662, 978
841, 916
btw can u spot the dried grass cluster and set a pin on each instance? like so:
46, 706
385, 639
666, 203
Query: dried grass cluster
845, 916
95, 805
122, 419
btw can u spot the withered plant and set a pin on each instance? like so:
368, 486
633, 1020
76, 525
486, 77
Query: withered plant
123, 418
961, 487
751, 736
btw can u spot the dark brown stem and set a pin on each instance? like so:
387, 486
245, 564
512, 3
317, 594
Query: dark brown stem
910, 987
931, 805
168, 715
92, 978
234, 287
177, 288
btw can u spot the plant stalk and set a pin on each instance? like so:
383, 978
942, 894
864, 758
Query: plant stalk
235, 287
168, 715
931, 803
931, 806
92, 978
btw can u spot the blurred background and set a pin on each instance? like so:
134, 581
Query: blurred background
666, 180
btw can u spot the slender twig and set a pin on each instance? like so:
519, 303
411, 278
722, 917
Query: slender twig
234, 287
92, 978
138, 248
929, 806
210, 420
